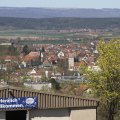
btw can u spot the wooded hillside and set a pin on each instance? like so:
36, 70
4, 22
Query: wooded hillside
59, 23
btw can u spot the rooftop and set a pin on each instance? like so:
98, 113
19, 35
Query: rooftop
48, 100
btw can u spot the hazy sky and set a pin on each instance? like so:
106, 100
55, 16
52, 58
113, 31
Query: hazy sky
62, 3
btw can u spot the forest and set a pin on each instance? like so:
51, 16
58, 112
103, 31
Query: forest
58, 23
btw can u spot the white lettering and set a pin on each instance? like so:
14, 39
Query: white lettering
12, 106
9, 100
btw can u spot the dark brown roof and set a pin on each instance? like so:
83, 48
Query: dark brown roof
47, 100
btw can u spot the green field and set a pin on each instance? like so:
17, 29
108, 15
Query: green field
26, 42
33, 33
53, 36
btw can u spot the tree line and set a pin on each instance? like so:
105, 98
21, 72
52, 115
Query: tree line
59, 23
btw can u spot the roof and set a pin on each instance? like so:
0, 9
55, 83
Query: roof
47, 100
30, 56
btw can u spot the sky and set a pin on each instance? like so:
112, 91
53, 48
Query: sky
97, 4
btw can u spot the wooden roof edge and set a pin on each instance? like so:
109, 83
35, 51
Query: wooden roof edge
82, 107
92, 106
55, 94
4, 87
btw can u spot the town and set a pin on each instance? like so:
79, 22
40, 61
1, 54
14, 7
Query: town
34, 64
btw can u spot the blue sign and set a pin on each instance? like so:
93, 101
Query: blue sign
22, 102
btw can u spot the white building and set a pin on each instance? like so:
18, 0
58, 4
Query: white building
61, 54
71, 63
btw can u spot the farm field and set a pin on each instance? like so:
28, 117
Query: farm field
35, 33
31, 36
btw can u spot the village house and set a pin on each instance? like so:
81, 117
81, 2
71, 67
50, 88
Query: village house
32, 59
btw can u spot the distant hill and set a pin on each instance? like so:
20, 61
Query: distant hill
58, 23
57, 12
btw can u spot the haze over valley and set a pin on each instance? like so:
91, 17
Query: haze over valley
29, 12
